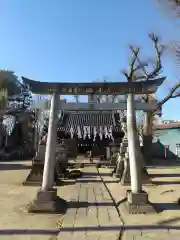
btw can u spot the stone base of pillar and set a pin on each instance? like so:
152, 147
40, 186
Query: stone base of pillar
117, 175
47, 202
144, 170
178, 204
118, 172
145, 177
36, 175
137, 203
98, 165
126, 178
79, 165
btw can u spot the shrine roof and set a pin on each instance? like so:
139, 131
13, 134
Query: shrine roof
91, 119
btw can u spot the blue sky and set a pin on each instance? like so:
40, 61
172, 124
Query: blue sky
82, 40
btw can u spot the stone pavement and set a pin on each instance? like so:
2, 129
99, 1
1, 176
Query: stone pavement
15, 222
94, 211
92, 214
164, 193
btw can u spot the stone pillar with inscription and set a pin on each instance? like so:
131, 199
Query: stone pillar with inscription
46, 200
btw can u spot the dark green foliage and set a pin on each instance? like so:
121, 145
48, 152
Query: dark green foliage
23, 100
45, 127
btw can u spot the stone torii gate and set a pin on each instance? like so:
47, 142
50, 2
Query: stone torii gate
93, 106
46, 200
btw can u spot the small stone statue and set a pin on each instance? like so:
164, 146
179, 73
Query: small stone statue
119, 166
62, 163
62, 158
126, 179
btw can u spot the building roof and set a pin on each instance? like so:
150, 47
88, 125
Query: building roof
92, 119
170, 125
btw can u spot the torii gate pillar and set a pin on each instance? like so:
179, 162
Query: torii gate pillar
46, 200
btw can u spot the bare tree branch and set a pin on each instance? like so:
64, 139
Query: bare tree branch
140, 65
124, 72
135, 51
159, 51
171, 94
133, 68
173, 5
137, 70
76, 97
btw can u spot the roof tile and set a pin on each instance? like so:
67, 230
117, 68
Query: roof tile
97, 119
167, 125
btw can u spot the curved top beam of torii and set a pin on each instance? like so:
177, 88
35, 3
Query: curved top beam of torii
73, 88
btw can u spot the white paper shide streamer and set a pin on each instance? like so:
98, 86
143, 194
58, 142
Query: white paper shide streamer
94, 133
108, 132
111, 133
79, 132
89, 132
72, 132
101, 132
86, 130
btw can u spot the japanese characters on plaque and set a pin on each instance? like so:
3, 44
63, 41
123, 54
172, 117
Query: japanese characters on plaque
95, 90
83, 90
86, 132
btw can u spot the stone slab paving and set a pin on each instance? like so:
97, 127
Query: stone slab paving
91, 213
14, 197
164, 193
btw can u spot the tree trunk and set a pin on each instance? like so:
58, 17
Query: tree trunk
1, 134
3, 103
135, 172
147, 137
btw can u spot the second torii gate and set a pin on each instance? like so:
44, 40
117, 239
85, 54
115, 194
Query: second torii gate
121, 105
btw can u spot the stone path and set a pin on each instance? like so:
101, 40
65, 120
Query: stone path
92, 213
162, 226
15, 222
